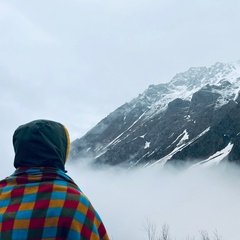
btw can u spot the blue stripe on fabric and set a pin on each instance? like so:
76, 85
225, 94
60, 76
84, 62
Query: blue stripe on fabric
25, 214
72, 235
64, 175
98, 217
54, 212
94, 230
5, 203
80, 217
84, 201
7, 189
29, 198
19, 234
33, 184
49, 232
59, 195
60, 182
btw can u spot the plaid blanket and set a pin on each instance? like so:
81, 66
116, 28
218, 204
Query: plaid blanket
45, 203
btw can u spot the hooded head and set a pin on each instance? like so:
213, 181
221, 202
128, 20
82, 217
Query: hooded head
41, 143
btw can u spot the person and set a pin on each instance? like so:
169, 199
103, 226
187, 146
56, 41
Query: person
39, 200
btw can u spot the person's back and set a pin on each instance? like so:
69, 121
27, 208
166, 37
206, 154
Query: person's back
39, 200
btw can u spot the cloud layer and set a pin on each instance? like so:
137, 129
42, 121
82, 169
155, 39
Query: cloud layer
189, 202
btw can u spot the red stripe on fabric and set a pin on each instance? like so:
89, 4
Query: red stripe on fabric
3, 183
37, 223
17, 192
13, 208
22, 180
102, 230
41, 204
86, 232
65, 221
70, 204
7, 225
72, 191
90, 215
45, 188
49, 175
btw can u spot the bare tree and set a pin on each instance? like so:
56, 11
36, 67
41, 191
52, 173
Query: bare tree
152, 232
165, 235
216, 236
204, 235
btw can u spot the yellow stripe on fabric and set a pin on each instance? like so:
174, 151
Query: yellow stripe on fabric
30, 190
68, 143
3, 210
51, 222
76, 225
34, 178
59, 188
12, 182
56, 203
21, 223
97, 222
94, 236
26, 206
82, 208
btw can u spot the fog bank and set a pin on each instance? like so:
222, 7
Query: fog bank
188, 201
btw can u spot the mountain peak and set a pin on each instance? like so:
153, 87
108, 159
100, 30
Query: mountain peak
187, 120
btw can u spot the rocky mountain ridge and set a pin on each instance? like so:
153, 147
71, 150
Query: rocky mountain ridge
194, 119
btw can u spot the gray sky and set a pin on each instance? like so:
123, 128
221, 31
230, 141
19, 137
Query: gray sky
76, 61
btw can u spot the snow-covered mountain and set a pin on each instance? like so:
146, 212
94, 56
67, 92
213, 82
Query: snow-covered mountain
194, 119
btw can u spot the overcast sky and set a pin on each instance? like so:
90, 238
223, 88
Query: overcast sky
76, 61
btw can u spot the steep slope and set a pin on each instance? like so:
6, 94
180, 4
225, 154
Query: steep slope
188, 120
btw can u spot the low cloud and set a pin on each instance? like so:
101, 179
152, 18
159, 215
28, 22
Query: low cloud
188, 201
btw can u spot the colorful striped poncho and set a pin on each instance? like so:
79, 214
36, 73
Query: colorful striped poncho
45, 203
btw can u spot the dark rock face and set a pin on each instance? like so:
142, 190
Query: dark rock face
223, 130
188, 120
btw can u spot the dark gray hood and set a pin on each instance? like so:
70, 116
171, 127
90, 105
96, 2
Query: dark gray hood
41, 143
